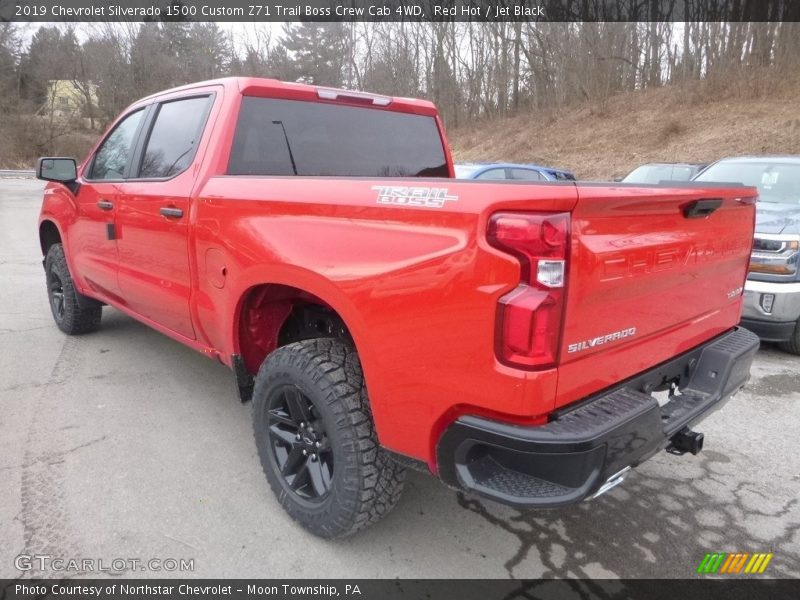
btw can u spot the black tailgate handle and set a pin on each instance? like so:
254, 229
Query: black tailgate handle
698, 209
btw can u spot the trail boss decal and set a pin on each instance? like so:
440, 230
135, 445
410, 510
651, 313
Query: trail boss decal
431, 197
603, 339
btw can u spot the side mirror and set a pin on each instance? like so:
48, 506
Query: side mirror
64, 170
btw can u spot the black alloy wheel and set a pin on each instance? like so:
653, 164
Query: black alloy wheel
317, 443
55, 290
73, 312
300, 446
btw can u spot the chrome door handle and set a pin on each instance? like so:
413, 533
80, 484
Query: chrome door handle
105, 205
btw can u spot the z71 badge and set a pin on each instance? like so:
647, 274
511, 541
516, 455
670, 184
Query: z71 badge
430, 197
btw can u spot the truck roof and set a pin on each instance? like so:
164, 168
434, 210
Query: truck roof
259, 86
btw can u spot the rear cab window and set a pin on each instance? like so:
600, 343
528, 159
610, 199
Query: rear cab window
295, 137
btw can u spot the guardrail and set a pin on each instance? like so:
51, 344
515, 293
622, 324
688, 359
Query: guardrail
16, 173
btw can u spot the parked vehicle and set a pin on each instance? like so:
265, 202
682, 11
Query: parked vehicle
657, 172
505, 337
511, 171
772, 291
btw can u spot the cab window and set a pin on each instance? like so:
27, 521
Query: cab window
173, 138
113, 155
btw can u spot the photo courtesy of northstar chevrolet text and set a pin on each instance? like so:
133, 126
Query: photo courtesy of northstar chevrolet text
491, 299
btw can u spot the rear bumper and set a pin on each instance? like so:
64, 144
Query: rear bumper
779, 323
770, 331
585, 446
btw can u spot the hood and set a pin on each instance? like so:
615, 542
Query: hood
773, 217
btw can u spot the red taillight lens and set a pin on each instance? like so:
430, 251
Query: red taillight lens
529, 317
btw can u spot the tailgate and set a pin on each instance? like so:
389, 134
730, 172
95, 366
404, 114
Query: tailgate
651, 274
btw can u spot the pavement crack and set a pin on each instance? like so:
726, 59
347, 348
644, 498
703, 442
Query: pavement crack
187, 544
82, 446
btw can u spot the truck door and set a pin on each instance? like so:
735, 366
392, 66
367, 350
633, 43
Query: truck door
154, 214
92, 243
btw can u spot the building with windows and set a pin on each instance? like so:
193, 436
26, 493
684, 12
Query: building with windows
67, 98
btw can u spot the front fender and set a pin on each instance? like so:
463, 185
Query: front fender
60, 208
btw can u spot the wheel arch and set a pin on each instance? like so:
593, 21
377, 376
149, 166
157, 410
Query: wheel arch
269, 315
49, 234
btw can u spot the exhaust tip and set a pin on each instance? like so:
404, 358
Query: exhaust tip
612, 482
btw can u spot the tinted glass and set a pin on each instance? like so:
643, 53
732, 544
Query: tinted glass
493, 174
775, 182
112, 157
290, 137
174, 137
527, 174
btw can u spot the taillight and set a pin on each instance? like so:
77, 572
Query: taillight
529, 317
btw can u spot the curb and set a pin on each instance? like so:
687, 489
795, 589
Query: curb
17, 173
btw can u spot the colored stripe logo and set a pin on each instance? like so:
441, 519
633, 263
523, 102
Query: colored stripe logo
735, 563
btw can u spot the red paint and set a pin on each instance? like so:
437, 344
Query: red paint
418, 288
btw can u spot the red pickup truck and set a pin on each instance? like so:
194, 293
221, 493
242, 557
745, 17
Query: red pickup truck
510, 338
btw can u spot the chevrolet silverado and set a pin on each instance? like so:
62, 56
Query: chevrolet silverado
529, 342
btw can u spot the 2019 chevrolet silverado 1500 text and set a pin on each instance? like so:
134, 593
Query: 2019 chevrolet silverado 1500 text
507, 337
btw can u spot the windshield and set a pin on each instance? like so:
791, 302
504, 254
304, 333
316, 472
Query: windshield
775, 182
656, 173
292, 137
466, 171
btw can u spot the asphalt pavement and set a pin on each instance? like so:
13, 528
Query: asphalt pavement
124, 445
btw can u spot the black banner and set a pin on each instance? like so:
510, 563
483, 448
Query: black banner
732, 588
397, 10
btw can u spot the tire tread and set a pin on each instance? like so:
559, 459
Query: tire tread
375, 485
77, 320
793, 344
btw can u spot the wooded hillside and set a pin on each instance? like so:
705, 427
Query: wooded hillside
475, 72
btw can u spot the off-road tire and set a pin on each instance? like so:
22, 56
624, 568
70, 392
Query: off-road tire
69, 315
365, 483
792, 345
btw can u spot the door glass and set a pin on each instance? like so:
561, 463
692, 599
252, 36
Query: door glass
493, 174
112, 157
174, 137
528, 174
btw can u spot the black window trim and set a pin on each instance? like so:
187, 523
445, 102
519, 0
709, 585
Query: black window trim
147, 130
137, 134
